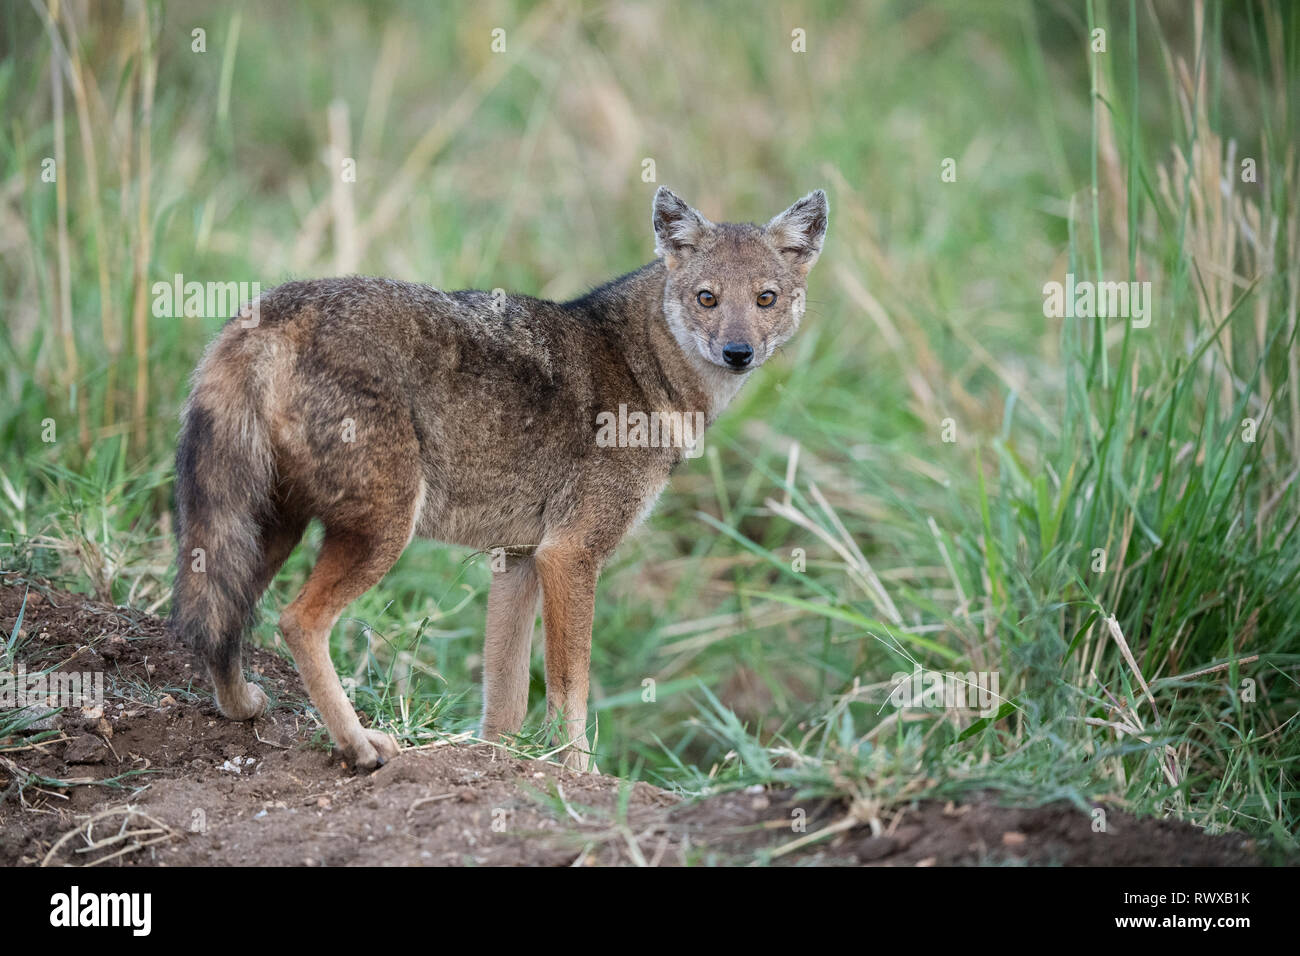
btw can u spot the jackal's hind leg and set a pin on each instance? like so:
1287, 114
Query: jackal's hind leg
237, 698
350, 563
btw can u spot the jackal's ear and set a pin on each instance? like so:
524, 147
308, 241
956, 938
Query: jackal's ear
678, 227
798, 232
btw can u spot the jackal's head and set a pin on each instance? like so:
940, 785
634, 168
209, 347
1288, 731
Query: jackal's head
735, 291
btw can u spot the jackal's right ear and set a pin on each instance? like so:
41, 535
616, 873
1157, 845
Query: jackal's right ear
678, 227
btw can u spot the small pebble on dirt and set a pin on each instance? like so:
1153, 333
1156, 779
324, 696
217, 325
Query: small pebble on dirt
85, 749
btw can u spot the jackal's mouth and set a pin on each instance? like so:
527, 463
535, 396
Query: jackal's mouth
733, 370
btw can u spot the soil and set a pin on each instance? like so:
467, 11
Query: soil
161, 778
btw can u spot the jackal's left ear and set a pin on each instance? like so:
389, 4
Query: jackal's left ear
678, 227
798, 232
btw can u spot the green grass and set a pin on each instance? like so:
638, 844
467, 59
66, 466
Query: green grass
524, 170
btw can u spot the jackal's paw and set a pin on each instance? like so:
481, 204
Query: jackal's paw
370, 751
245, 704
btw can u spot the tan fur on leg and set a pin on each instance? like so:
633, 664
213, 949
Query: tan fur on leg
568, 576
349, 565
512, 611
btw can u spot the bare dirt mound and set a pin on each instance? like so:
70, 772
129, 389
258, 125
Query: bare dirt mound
160, 778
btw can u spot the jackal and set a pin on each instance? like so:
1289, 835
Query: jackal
388, 409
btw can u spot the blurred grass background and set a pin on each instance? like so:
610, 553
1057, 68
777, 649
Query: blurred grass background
1165, 682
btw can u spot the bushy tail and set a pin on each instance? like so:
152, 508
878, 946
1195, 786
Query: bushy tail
224, 481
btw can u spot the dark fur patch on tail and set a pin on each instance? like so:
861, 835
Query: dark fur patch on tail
224, 478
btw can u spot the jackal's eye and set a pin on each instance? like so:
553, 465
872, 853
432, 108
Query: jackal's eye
707, 299
765, 299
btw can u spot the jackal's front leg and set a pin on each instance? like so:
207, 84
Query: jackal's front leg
568, 576
512, 609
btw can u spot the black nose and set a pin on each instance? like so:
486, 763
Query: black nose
737, 354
